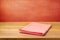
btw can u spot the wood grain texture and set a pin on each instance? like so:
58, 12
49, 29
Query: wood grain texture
11, 30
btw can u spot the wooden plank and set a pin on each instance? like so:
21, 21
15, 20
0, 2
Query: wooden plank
11, 30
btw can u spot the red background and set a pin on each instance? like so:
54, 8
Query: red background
29, 10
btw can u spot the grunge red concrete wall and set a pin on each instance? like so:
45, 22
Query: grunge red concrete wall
29, 10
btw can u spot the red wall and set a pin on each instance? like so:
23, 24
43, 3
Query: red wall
30, 10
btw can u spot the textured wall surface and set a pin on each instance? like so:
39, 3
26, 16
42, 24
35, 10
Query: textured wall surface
29, 10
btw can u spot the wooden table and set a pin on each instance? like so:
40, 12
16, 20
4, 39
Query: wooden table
11, 30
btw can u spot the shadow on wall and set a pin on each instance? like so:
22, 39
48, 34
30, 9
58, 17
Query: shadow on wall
30, 10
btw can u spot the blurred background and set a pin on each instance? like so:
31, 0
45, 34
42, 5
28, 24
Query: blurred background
29, 10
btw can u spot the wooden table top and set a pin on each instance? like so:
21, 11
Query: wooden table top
11, 30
